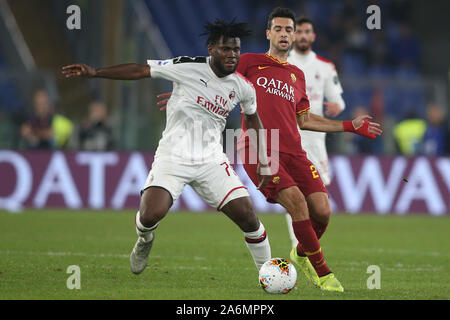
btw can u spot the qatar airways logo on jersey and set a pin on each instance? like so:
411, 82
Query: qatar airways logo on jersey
277, 87
217, 107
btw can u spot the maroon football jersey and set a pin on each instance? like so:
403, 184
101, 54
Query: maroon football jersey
281, 95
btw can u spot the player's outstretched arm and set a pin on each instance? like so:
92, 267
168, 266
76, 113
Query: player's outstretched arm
359, 125
128, 71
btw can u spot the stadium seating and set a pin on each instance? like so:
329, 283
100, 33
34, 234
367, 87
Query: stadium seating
10, 99
181, 24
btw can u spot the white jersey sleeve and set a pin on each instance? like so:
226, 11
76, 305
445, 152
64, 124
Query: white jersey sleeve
172, 69
332, 88
248, 99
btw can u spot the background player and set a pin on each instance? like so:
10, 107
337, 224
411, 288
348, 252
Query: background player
297, 186
321, 82
201, 100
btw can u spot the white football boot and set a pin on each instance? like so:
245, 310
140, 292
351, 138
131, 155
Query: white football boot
139, 255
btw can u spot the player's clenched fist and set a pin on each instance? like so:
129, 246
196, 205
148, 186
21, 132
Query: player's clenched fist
79, 70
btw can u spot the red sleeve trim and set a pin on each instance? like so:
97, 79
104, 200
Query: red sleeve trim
323, 59
303, 111
326, 61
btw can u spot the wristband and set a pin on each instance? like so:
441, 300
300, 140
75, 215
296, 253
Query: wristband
348, 126
265, 171
362, 130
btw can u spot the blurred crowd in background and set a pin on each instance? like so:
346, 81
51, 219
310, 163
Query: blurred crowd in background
413, 122
382, 73
46, 129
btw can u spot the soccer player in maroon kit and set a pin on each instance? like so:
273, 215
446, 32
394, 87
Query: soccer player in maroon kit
297, 186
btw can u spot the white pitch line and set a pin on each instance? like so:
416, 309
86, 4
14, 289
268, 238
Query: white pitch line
59, 253
109, 255
360, 265
399, 251
353, 264
80, 254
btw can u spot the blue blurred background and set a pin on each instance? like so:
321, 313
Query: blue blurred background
399, 74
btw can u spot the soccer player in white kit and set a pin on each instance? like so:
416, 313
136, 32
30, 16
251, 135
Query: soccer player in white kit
321, 82
205, 90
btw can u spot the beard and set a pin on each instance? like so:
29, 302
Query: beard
303, 46
219, 66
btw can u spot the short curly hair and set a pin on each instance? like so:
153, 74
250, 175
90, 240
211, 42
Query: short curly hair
220, 28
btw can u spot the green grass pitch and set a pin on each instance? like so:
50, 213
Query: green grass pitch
203, 256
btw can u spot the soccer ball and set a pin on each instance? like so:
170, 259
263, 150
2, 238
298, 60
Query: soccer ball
277, 275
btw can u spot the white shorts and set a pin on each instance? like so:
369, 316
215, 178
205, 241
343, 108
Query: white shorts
215, 182
314, 145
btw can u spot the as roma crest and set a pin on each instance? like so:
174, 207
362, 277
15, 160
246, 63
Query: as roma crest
293, 77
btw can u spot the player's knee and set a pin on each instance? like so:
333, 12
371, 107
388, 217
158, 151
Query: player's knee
295, 203
324, 215
321, 211
241, 211
155, 203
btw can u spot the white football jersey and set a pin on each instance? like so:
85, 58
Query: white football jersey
197, 110
321, 82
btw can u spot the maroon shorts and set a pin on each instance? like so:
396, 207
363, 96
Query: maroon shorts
293, 170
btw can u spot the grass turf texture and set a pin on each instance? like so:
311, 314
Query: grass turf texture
203, 256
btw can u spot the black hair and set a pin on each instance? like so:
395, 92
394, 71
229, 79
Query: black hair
303, 20
279, 12
220, 28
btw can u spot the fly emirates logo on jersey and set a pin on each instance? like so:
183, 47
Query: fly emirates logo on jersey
217, 107
277, 87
